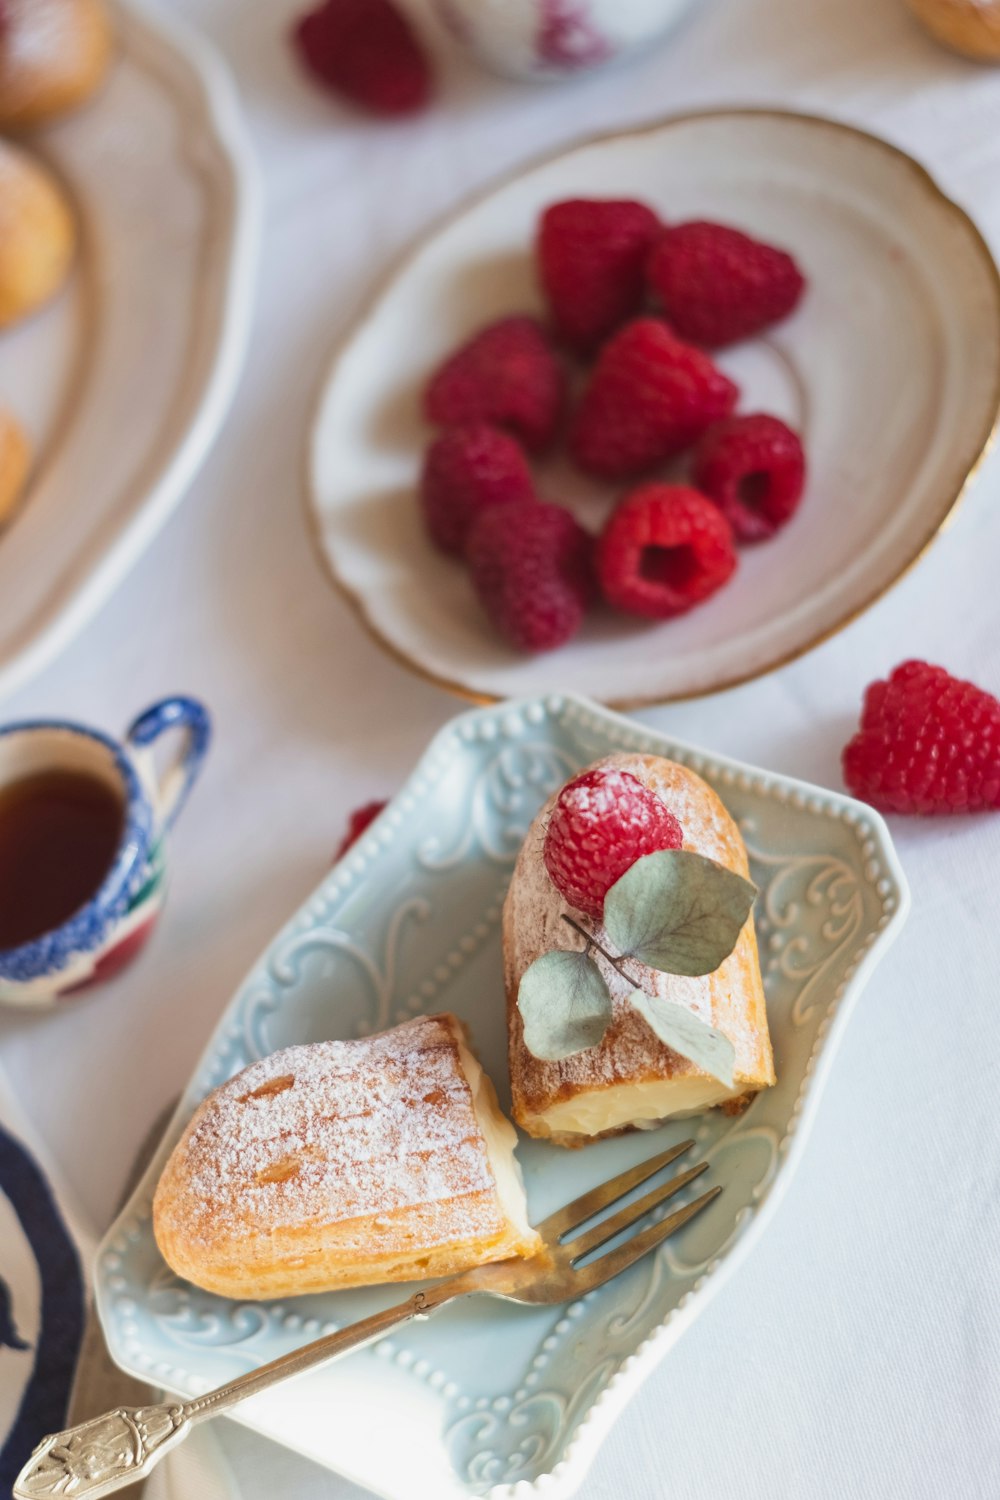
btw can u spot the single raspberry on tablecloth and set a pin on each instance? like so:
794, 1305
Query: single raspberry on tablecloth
716, 285
532, 569
506, 374
360, 819
592, 255
928, 743
368, 51
665, 549
466, 470
754, 469
602, 822
650, 396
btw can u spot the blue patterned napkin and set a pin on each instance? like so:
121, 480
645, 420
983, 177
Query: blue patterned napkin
42, 1294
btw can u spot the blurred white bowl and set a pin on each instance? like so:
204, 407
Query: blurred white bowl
540, 40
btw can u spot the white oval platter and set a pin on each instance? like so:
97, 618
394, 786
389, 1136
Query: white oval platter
891, 369
407, 923
124, 380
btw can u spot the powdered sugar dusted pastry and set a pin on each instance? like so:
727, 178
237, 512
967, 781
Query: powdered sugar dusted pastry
37, 234
342, 1164
15, 460
53, 55
631, 1079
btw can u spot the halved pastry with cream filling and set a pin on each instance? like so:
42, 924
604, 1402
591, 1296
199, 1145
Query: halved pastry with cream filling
342, 1164
630, 1079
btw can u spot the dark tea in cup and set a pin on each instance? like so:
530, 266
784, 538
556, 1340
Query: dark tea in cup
59, 832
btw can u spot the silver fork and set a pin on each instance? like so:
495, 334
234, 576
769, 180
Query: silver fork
120, 1448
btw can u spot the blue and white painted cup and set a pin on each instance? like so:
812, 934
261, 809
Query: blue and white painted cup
99, 939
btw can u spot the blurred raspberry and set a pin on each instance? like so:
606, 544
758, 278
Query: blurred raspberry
507, 374
367, 51
359, 820
531, 567
592, 262
650, 396
717, 285
754, 469
466, 470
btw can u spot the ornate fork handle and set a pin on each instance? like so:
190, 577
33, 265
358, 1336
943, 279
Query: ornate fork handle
120, 1448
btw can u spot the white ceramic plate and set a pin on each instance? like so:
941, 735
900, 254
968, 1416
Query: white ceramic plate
124, 380
488, 1398
891, 368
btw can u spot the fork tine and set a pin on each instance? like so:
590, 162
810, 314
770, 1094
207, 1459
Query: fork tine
607, 1193
630, 1215
601, 1270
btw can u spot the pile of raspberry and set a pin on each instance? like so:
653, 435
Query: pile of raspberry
635, 306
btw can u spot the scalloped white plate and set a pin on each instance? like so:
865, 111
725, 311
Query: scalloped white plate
123, 381
408, 922
891, 368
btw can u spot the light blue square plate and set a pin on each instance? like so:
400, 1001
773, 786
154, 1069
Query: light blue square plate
488, 1398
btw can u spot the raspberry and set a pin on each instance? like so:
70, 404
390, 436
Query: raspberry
531, 566
928, 743
366, 50
754, 469
717, 285
602, 822
592, 260
466, 470
665, 549
359, 820
649, 397
505, 374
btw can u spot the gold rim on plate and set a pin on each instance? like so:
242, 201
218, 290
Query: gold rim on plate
950, 500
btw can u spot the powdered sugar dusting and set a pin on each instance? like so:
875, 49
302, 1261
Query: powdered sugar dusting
22, 182
335, 1132
35, 33
630, 1051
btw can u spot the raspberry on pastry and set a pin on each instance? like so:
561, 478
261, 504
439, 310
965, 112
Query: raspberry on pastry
602, 822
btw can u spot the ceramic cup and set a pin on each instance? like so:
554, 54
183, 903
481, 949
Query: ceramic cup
540, 40
102, 936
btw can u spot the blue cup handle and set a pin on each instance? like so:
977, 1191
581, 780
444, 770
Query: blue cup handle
173, 785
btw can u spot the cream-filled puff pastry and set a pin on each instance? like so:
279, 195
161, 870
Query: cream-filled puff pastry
340, 1164
632, 1080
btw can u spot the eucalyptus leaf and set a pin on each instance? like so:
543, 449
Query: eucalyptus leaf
565, 1005
678, 912
688, 1034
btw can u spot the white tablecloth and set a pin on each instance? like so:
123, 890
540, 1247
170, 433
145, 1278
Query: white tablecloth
858, 1353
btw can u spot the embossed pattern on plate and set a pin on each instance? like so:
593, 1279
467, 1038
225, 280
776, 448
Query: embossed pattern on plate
409, 922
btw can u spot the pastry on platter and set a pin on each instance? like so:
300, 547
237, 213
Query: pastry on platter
15, 461
342, 1164
633, 984
968, 26
37, 234
54, 54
